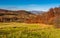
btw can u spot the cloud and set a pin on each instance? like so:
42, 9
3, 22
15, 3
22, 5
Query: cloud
28, 7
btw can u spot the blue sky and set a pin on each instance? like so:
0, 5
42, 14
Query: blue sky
39, 5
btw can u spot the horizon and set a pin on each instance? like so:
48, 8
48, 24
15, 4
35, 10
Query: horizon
31, 5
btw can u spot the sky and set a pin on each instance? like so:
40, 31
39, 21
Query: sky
29, 5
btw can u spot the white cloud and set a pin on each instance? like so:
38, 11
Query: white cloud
28, 7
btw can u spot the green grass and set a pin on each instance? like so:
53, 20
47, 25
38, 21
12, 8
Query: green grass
22, 30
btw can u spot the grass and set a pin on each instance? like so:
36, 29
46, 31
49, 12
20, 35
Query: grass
22, 30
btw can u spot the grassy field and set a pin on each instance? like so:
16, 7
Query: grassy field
22, 30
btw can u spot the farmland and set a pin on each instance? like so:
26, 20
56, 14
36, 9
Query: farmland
24, 30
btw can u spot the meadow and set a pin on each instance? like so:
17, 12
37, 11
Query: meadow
23, 30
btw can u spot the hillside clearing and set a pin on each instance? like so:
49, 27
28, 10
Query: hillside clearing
24, 25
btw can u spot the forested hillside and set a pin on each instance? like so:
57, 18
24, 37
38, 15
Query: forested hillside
50, 17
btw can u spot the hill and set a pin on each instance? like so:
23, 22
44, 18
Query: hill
13, 16
50, 17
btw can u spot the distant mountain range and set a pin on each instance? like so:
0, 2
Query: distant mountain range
37, 12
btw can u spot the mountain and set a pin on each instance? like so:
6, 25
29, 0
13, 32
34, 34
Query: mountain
37, 12
13, 16
50, 17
